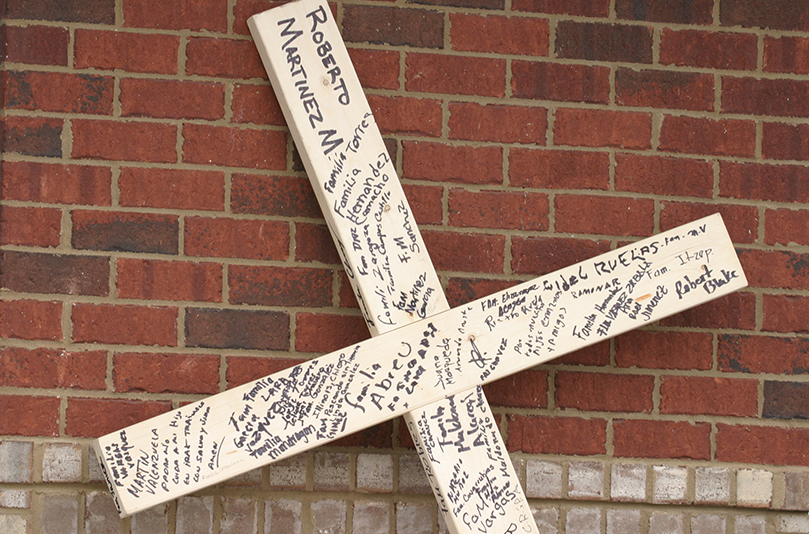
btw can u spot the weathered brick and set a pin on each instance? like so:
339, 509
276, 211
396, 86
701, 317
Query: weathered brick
784, 226
234, 147
785, 141
171, 99
789, 54
597, 41
703, 395
543, 479
775, 268
502, 35
50, 368
616, 215
37, 227
100, 514
282, 516
708, 524
30, 319
712, 485
559, 169
775, 15
166, 373
16, 461
692, 135
122, 324
498, 209
38, 45
237, 238
168, 280
666, 523
713, 50
151, 521
323, 333
786, 400
195, 515
584, 8
332, 471
460, 164
33, 416
526, 389
375, 473
224, 58
96, 417
131, 52
238, 516
172, 188
505, 124
567, 83
33, 136
329, 515
124, 141
754, 488
90, 11
60, 513
785, 98
125, 231
664, 176
602, 128
585, 480
60, 92
256, 104
286, 196
740, 221
670, 484
313, 242
371, 517
279, 286
543, 255
796, 497
237, 329
664, 89
623, 521
243, 369
28, 272
394, 26
628, 483
477, 76
180, 15
376, 69
412, 478
662, 439
604, 392
56, 184
426, 202
13, 498
762, 445
407, 116
781, 183
61, 462
583, 520
654, 350
556, 435
478, 253
683, 12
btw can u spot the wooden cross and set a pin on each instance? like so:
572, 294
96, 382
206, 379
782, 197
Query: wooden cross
435, 355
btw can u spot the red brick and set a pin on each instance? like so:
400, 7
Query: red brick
460, 164
125, 231
323, 333
786, 54
527, 389
713, 50
243, 369
737, 310
28, 272
377, 437
237, 329
604, 392
584, 8
559, 169
90, 11
426, 202
662, 439
256, 104
785, 141
692, 395
345, 293
663, 176
168, 280
464, 290
38, 45
763, 354
785, 400
784, 227
124, 325
57, 91
223, 58
597, 41
664, 89
604, 215
33, 136
172, 188
33, 416
471, 253
395, 26
234, 147
556, 435
775, 268
237, 238
501, 35
781, 183
36, 227
178, 15
49, 368
496, 123
131, 52
247, 8
126, 141
478, 76
786, 313
542, 255
682, 12
785, 98
692, 135
591, 356
313, 242
91, 418
603, 128
498, 209
741, 221
171, 99
759, 445
567, 83
376, 69
279, 286
407, 116
56, 184
166, 373
286, 196
664, 350
775, 14
30, 319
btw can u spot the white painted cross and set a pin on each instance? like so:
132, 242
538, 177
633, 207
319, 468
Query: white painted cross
425, 361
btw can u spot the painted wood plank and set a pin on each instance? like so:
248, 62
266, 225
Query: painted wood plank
384, 254
383, 377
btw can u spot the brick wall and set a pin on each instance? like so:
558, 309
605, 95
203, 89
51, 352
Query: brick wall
160, 243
